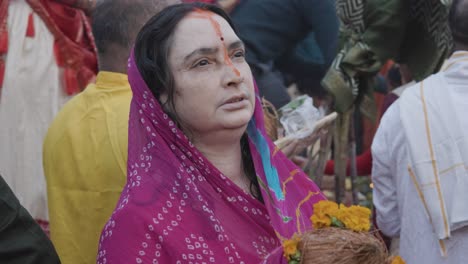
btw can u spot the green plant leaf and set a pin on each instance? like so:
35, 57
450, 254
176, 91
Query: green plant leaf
336, 222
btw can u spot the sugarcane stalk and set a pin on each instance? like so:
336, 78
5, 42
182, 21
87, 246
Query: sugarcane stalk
325, 144
352, 157
341, 154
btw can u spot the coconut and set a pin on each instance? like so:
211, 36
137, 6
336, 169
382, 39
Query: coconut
342, 246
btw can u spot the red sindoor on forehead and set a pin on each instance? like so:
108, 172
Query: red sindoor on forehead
199, 13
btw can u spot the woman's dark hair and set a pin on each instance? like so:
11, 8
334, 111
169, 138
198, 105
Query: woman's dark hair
152, 47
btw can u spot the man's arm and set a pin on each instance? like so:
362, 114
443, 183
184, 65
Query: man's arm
385, 195
321, 18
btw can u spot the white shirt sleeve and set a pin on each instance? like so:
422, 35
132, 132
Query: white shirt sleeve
384, 165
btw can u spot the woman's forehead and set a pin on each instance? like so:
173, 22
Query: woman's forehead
203, 29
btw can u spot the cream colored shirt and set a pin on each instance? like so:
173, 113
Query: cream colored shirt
400, 210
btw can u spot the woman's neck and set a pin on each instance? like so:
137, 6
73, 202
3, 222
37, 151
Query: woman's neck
226, 156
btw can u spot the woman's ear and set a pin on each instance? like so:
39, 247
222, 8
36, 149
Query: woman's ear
163, 99
167, 106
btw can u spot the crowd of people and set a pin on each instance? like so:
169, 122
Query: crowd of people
133, 131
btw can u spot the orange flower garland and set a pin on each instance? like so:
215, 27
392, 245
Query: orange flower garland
327, 213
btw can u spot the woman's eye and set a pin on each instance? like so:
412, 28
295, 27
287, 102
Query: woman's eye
239, 54
203, 62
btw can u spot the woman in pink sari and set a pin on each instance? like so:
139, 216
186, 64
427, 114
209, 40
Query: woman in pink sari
205, 184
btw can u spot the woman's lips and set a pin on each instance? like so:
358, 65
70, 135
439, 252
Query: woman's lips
235, 103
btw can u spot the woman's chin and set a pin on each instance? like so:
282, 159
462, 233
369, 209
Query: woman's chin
237, 119
236, 123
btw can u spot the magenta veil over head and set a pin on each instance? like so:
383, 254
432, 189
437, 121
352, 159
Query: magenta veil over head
178, 208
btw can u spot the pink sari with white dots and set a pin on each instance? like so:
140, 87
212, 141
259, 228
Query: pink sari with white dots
178, 208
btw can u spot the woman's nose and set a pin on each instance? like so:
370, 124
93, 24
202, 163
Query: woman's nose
233, 77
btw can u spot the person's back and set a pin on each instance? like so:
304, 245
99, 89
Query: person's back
400, 212
421, 160
85, 150
85, 164
272, 29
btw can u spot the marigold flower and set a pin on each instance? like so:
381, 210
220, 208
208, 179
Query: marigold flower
290, 247
397, 260
360, 211
345, 216
363, 217
355, 218
325, 207
320, 221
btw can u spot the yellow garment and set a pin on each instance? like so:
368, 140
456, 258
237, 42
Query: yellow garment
85, 163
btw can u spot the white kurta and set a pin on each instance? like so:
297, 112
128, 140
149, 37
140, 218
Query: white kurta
31, 96
400, 211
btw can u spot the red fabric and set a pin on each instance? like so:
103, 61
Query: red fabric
2, 72
71, 81
68, 2
3, 27
74, 44
30, 32
388, 101
3, 38
3, 41
44, 226
386, 67
363, 165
